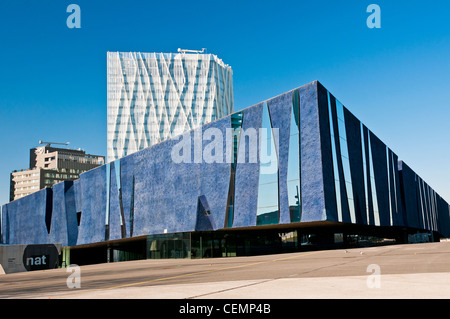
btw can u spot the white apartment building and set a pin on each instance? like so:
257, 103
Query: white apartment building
51, 165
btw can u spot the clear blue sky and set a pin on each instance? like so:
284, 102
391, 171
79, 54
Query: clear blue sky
395, 79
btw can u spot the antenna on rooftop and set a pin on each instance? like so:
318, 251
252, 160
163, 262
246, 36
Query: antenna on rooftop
48, 143
191, 51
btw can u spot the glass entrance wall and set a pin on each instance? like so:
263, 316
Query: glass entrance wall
232, 243
211, 244
176, 245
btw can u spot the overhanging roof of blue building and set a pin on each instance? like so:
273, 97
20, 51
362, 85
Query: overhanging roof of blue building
296, 158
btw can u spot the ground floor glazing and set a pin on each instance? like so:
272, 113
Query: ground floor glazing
243, 242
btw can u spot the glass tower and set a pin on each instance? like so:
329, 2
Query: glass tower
154, 96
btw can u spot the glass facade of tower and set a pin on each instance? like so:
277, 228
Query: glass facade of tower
155, 96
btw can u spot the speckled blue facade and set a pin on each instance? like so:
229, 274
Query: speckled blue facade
126, 179
114, 201
381, 180
205, 220
280, 109
93, 206
314, 167
4, 225
423, 207
70, 213
58, 228
26, 219
148, 192
166, 193
247, 173
353, 130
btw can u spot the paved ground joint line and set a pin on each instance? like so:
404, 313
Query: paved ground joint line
184, 275
233, 288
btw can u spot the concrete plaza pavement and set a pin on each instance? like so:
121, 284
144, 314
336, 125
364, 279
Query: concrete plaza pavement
393, 271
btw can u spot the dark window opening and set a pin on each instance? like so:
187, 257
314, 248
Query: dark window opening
78, 218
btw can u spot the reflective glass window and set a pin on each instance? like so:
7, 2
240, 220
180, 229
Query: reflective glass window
394, 178
389, 185
268, 208
365, 181
345, 158
108, 195
376, 211
335, 166
293, 172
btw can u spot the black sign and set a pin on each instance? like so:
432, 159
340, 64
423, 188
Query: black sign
39, 257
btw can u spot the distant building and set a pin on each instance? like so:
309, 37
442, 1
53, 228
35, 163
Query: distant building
50, 165
152, 97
